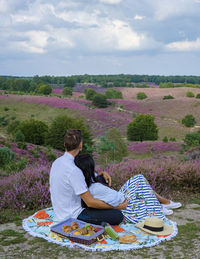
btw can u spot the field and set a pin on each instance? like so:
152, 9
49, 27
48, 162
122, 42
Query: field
163, 164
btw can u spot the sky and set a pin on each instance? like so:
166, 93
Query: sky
74, 37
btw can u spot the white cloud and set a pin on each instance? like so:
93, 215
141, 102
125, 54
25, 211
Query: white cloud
184, 45
110, 1
138, 17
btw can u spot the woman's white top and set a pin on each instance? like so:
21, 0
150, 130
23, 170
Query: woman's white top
106, 194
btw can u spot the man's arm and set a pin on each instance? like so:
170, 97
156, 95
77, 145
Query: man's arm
91, 202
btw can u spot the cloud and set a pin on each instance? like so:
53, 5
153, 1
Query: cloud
110, 1
138, 17
184, 45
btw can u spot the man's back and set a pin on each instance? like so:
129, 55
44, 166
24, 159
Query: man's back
66, 184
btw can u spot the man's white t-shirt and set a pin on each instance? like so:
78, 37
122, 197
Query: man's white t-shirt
106, 194
67, 182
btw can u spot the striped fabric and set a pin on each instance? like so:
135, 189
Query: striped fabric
142, 201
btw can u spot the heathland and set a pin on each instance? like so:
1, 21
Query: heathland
170, 165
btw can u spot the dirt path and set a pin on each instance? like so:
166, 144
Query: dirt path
16, 243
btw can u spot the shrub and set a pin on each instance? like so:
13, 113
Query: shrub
60, 125
166, 85
100, 101
142, 128
19, 136
3, 120
6, 109
112, 147
172, 139
50, 156
44, 89
198, 96
141, 96
12, 126
190, 94
34, 131
90, 94
6, 155
67, 91
15, 166
168, 97
165, 139
113, 94
189, 120
192, 139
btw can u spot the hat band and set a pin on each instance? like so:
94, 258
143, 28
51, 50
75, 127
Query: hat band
153, 228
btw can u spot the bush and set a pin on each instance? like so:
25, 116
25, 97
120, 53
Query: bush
142, 128
50, 156
172, 139
198, 96
12, 126
6, 155
166, 85
168, 97
113, 94
15, 166
3, 121
60, 125
165, 139
112, 147
67, 91
192, 139
189, 120
6, 109
19, 136
44, 89
190, 94
90, 94
100, 101
34, 131
141, 96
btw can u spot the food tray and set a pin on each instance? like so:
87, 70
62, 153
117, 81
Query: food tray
87, 240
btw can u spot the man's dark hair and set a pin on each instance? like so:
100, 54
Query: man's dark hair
72, 139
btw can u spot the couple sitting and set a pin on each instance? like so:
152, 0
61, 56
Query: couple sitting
72, 179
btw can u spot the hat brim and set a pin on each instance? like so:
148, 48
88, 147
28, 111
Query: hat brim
167, 230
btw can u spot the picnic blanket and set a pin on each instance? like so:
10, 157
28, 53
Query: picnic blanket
39, 224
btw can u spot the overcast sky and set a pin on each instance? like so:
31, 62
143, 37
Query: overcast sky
65, 37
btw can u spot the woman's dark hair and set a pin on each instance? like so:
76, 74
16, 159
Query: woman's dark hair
86, 163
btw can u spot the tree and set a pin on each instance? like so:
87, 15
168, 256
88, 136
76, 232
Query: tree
69, 82
141, 96
34, 131
60, 125
112, 147
100, 101
113, 94
90, 94
67, 91
44, 89
142, 128
189, 120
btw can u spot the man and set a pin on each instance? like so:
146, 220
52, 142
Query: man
68, 187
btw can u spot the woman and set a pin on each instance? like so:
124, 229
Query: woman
142, 200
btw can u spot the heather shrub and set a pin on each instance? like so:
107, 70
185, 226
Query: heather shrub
198, 96
189, 120
58, 128
6, 155
15, 166
166, 97
21, 145
50, 156
34, 131
190, 94
6, 109
141, 96
28, 189
12, 126
3, 120
164, 175
172, 139
142, 128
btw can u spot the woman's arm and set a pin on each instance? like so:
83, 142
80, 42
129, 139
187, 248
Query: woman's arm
91, 202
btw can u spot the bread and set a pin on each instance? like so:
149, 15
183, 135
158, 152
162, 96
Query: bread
127, 239
74, 225
66, 228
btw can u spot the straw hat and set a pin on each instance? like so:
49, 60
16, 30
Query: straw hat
155, 226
